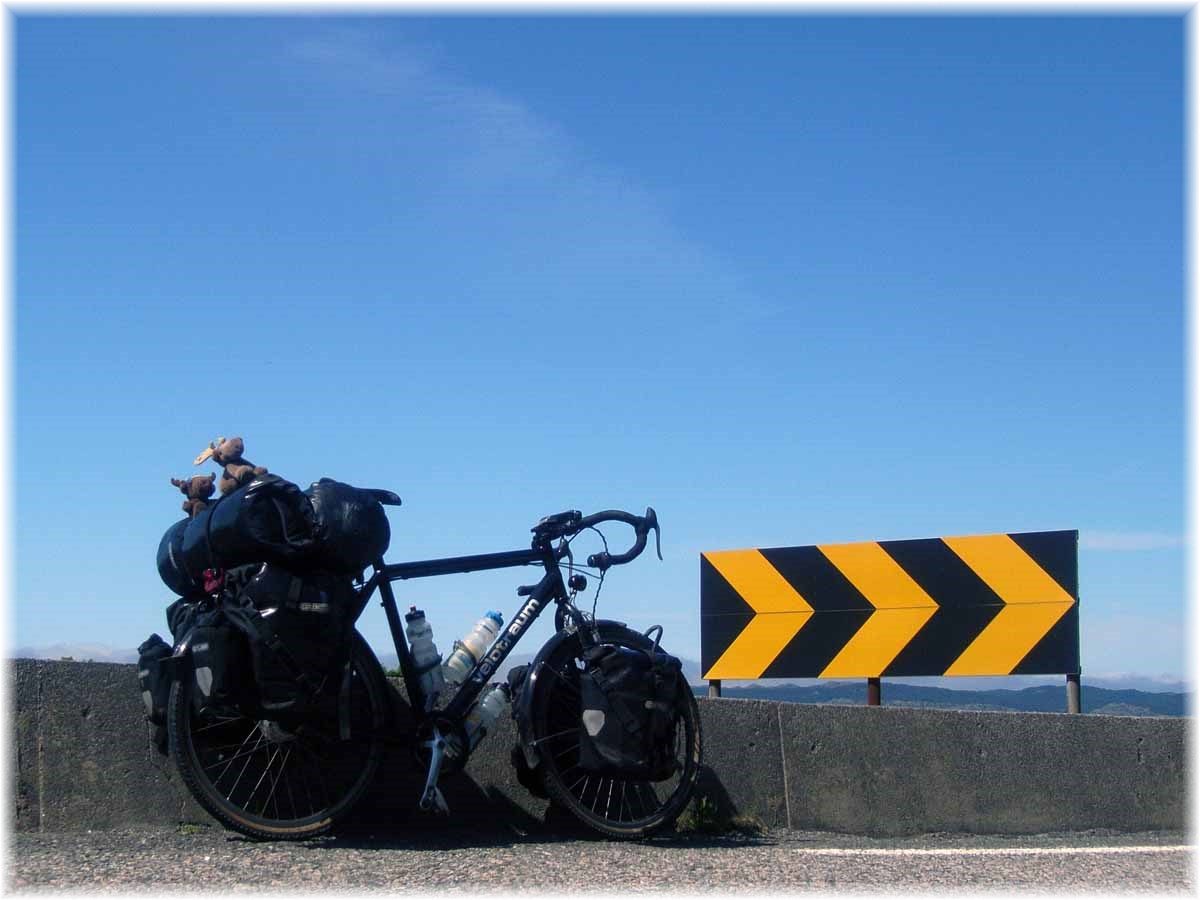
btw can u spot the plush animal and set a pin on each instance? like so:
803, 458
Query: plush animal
197, 489
237, 471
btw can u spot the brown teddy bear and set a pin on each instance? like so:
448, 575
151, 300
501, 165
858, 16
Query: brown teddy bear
227, 452
197, 489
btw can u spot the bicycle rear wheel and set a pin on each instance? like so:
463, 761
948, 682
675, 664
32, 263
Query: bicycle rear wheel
283, 781
615, 807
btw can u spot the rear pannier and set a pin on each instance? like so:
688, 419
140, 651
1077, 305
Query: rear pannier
298, 629
218, 660
627, 720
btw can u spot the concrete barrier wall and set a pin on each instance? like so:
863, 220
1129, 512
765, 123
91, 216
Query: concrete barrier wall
83, 760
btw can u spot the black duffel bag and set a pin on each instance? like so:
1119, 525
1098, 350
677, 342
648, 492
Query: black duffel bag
298, 629
268, 520
627, 718
170, 561
350, 526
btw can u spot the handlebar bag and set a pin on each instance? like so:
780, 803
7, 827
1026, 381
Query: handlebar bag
627, 720
350, 526
298, 628
268, 520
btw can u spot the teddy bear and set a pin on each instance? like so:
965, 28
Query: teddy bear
237, 471
197, 489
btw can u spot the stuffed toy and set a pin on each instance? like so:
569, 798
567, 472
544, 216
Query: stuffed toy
197, 489
237, 471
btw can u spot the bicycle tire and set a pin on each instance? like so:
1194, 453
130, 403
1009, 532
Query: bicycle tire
321, 784
639, 810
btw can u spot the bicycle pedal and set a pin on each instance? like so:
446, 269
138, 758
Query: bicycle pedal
433, 800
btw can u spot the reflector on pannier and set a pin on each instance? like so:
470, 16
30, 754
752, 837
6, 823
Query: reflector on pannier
267, 520
627, 718
351, 527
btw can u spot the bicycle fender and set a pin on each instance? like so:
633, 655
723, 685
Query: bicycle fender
522, 709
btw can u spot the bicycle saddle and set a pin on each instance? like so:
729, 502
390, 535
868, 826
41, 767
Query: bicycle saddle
387, 498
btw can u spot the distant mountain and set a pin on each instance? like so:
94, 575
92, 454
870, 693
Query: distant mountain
1042, 698
77, 652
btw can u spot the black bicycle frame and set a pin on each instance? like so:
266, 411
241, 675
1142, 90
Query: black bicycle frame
550, 588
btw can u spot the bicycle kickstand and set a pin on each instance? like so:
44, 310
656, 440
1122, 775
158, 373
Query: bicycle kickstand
431, 796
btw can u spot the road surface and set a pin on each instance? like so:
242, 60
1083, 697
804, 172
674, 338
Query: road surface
202, 860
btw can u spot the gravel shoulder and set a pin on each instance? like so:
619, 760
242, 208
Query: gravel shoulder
210, 860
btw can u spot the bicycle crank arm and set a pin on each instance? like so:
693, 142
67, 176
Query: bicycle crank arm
431, 796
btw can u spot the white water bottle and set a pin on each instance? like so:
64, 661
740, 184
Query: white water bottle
425, 657
485, 713
471, 648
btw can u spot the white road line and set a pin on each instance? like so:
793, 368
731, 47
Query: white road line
989, 851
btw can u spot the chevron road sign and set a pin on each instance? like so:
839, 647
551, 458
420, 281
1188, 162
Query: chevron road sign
996, 604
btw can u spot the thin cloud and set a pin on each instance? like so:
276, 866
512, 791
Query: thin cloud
560, 212
1129, 540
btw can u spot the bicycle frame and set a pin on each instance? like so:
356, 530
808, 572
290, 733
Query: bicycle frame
550, 587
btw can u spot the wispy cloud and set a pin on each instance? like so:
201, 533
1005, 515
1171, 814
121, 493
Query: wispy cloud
503, 173
1128, 540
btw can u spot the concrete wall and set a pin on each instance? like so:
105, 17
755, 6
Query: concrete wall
83, 760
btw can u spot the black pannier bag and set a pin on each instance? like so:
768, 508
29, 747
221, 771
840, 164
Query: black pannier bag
298, 628
155, 682
268, 520
627, 719
181, 615
170, 561
153, 679
351, 527
219, 664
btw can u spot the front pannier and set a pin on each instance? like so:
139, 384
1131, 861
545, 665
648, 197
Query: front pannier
268, 520
298, 628
627, 721
351, 527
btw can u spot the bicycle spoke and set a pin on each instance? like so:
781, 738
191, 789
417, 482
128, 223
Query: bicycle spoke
230, 763
258, 784
555, 735
250, 756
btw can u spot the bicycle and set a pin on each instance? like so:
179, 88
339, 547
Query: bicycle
289, 779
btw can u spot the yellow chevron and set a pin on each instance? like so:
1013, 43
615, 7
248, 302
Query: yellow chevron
781, 612
1034, 602
902, 607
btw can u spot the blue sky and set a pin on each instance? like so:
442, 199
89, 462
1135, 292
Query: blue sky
790, 280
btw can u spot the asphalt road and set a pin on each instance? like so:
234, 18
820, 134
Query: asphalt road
211, 860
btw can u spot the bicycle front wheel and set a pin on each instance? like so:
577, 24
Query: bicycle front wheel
615, 807
283, 781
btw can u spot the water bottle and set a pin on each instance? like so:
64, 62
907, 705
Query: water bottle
485, 713
471, 648
425, 657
